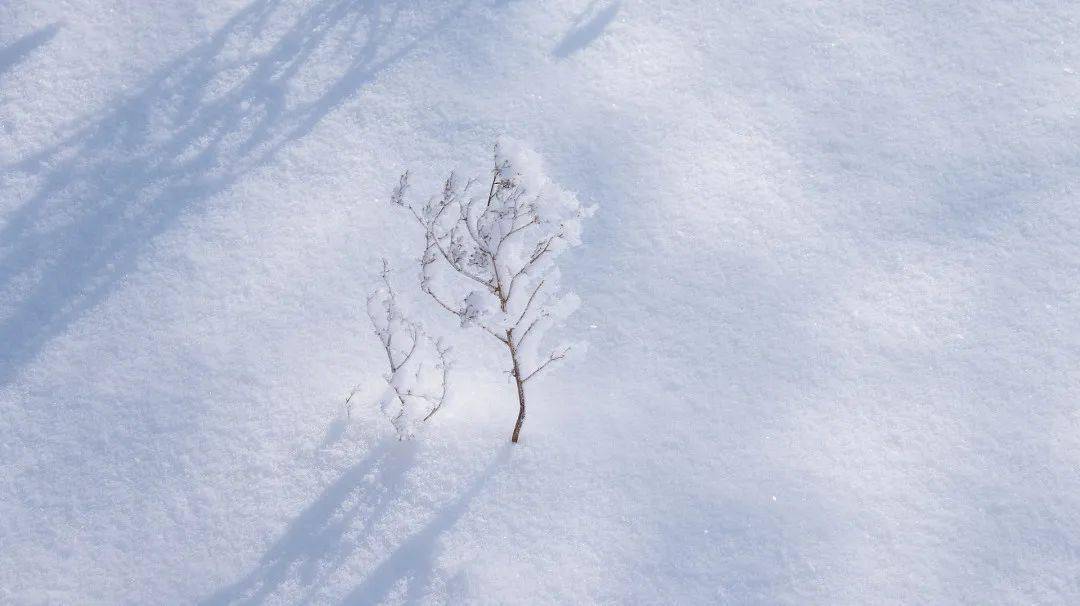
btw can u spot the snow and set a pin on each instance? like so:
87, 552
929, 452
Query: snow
831, 298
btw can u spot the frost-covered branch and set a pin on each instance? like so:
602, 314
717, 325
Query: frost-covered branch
416, 387
489, 260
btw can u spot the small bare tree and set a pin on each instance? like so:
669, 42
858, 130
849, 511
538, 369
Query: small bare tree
416, 387
489, 256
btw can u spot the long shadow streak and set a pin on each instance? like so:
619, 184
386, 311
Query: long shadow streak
313, 541
200, 124
413, 560
12, 54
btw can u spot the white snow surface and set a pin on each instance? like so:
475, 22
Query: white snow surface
832, 298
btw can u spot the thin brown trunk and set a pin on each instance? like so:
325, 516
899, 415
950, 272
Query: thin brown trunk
518, 379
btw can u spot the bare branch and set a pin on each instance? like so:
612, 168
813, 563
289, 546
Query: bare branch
528, 330
444, 363
471, 227
457, 312
348, 401
553, 357
415, 341
529, 303
514, 230
496, 335
398, 197
456, 267
491, 190
542, 248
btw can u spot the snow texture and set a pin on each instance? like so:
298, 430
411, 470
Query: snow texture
832, 296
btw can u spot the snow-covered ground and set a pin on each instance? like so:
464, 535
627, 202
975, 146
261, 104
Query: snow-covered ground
832, 295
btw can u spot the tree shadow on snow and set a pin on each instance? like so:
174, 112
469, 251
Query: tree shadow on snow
586, 30
199, 124
14, 53
328, 531
314, 542
412, 562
